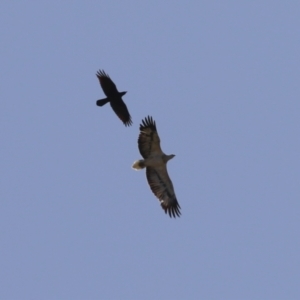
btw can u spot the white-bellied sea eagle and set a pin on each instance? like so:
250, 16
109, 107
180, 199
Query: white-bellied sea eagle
155, 162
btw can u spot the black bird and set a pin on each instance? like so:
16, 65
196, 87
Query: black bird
114, 97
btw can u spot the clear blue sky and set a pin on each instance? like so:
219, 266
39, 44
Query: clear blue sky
221, 79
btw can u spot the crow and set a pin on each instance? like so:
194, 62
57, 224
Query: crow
114, 97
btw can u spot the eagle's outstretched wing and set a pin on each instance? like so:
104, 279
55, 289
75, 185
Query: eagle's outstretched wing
162, 187
148, 141
108, 86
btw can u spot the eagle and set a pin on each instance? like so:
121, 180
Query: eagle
155, 162
114, 97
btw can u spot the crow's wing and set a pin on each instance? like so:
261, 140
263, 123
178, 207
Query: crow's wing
108, 86
120, 108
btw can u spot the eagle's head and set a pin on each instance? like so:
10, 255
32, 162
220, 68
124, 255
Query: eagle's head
168, 157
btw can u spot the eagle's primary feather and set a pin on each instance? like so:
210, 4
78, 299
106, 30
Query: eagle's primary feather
155, 162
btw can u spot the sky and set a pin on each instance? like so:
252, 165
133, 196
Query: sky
221, 80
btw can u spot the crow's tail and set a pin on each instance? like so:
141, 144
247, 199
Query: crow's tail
102, 102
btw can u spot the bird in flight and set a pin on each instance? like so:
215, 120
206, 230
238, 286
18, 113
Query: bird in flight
155, 162
114, 97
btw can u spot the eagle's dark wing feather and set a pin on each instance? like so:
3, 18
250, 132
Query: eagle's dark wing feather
108, 86
120, 108
148, 141
162, 187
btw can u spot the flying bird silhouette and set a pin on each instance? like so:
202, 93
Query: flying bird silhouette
114, 97
155, 162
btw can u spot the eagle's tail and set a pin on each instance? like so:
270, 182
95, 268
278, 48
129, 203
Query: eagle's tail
102, 102
138, 165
